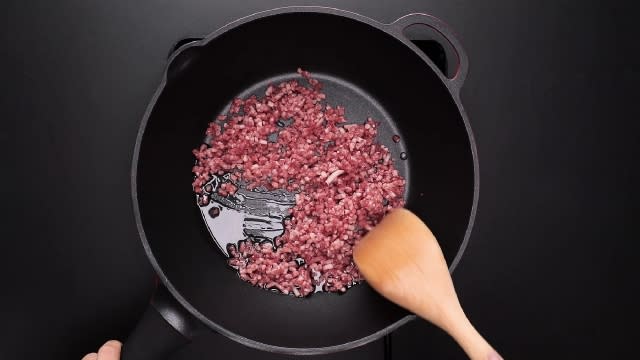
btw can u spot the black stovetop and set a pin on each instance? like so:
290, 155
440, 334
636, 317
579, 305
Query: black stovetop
552, 101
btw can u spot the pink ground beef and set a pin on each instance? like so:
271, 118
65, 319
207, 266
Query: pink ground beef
344, 183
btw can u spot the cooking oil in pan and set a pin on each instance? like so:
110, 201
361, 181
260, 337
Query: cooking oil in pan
255, 215
248, 214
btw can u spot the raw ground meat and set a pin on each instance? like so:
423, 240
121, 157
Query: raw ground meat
344, 183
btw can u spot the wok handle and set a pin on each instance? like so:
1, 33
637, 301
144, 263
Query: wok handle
440, 32
182, 56
164, 328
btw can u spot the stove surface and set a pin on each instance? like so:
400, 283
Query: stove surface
551, 98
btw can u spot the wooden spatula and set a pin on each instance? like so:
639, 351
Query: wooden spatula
402, 260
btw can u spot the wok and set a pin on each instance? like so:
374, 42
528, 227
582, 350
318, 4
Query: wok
373, 69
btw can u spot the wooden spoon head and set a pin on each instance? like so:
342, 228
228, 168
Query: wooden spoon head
402, 260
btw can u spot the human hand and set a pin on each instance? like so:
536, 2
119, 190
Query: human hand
109, 351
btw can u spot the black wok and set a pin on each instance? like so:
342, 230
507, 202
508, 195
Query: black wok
373, 69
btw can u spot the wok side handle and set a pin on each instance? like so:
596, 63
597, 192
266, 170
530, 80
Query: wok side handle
183, 55
423, 27
164, 328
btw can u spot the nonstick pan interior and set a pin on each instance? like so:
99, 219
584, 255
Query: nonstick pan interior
365, 69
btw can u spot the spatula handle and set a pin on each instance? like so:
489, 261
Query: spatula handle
463, 332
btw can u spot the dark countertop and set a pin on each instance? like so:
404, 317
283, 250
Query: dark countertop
552, 99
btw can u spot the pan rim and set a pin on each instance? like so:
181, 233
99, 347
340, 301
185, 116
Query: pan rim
134, 166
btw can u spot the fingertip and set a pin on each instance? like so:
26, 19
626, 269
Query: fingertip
110, 350
113, 343
90, 356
